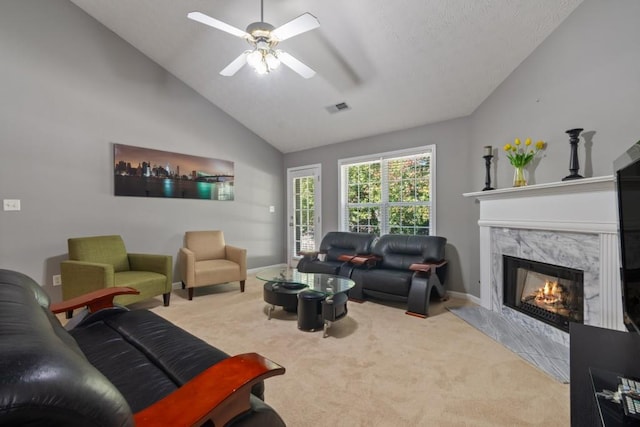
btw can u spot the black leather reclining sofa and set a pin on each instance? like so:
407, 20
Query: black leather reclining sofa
394, 267
118, 368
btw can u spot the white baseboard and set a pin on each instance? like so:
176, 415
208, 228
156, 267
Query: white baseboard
462, 295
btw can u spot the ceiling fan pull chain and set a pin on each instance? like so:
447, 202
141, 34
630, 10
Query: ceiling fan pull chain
261, 10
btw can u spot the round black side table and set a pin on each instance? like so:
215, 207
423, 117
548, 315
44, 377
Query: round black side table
310, 310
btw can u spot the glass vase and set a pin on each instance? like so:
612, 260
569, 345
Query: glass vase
519, 177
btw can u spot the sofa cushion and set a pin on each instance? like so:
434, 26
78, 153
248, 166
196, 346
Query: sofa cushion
181, 355
393, 282
140, 381
176, 354
147, 282
217, 271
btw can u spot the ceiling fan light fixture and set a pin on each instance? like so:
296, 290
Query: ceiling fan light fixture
263, 39
263, 61
254, 58
272, 60
261, 68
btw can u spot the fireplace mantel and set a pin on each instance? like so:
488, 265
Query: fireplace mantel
600, 183
581, 205
577, 213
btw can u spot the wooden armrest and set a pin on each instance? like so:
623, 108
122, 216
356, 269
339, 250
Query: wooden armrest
362, 259
427, 267
218, 394
96, 300
356, 258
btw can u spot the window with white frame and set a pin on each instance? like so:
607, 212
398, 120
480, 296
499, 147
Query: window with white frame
389, 193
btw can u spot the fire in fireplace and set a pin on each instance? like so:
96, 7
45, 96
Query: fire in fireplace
550, 293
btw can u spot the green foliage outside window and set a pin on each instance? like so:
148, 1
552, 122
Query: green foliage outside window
304, 213
398, 203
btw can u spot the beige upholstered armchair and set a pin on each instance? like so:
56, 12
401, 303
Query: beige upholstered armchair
206, 260
103, 262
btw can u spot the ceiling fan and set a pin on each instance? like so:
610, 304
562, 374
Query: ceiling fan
263, 38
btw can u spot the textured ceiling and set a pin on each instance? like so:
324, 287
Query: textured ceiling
397, 64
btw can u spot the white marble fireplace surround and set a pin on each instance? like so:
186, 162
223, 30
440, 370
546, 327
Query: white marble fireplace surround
572, 224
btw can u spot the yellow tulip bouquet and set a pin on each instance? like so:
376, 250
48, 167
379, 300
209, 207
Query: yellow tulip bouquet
521, 156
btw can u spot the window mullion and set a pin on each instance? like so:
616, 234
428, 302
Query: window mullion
384, 196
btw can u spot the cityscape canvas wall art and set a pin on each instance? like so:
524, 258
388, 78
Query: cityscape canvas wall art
144, 172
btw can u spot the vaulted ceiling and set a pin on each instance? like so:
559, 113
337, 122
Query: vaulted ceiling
396, 64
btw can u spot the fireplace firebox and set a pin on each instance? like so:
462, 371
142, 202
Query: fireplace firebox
547, 292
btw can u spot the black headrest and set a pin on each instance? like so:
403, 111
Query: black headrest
400, 250
356, 243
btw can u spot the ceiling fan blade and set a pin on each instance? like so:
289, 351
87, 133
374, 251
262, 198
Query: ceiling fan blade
235, 65
207, 20
296, 65
299, 25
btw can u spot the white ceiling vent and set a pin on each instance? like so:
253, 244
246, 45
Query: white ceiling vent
342, 106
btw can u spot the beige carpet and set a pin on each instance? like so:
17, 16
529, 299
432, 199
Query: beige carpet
378, 367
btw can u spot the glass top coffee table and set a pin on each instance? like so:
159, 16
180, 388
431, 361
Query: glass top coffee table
284, 285
291, 279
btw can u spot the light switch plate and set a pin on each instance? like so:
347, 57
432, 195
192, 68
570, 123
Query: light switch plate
11, 204
272, 209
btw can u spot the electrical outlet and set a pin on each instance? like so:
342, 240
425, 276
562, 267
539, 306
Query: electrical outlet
11, 204
57, 280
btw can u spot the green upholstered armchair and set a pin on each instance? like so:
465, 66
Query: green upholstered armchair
102, 262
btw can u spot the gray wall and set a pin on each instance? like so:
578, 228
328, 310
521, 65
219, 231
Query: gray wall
69, 89
585, 74
452, 157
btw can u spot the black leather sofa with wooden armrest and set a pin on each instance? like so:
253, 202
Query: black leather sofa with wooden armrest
402, 268
117, 367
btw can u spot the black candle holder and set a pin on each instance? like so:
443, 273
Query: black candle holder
574, 166
487, 179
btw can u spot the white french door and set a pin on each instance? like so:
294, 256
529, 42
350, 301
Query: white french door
303, 211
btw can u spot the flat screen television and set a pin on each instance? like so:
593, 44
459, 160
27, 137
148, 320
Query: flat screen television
627, 174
